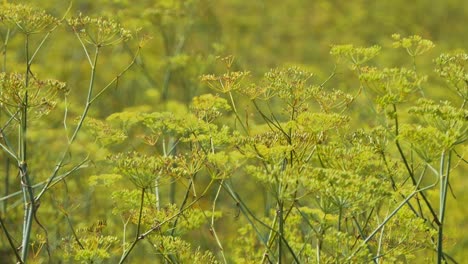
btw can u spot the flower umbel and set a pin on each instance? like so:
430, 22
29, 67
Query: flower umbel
41, 93
100, 31
27, 19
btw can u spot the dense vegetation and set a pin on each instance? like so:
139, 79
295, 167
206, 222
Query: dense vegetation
199, 131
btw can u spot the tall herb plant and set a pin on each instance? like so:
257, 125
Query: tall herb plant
25, 98
334, 193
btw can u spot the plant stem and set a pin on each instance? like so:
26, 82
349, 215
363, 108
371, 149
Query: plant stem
182, 206
140, 214
10, 241
26, 185
280, 231
444, 175
245, 210
158, 226
408, 168
270, 239
234, 109
394, 212
212, 228
78, 127
4, 52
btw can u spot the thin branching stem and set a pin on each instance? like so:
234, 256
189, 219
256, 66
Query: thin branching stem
280, 230
407, 166
10, 241
246, 211
234, 109
47, 35
394, 212
140, 214
78, 127
212, 227
444, 171
28, 195
75, 236
5, 48
361, 234
270, 239
58, 179
184, 202
117, 77
143, 235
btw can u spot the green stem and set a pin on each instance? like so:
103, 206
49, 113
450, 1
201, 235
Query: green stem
141, 212
57, 179
78, 127
248, 214
10, 241
280, 230
361, 233
117, 77
26, 185
444, 175
173, 185
394, 212
212, 228
408, 168
182, 205
245, 210
234, 109
73, 230
4, 52
158, 226
270, 239
7, 184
